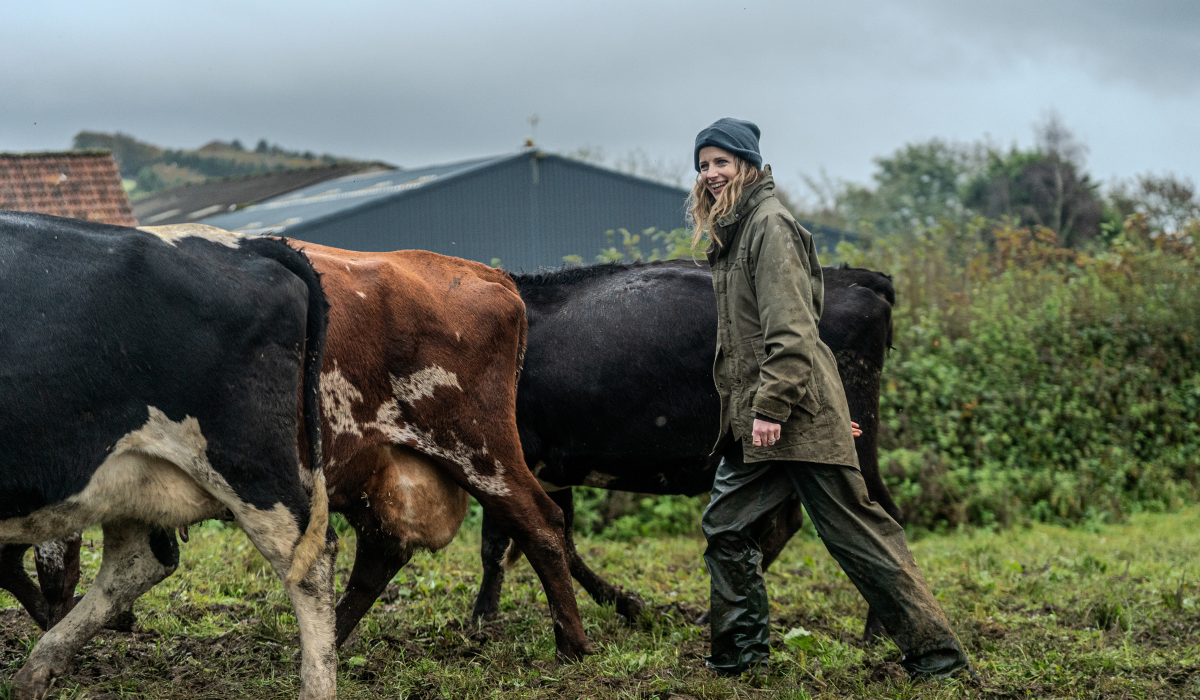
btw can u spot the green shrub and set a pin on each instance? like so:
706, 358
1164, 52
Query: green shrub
1036, 382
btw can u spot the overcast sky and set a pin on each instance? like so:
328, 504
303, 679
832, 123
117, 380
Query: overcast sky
832, 85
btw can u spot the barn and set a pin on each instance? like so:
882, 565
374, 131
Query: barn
528, 210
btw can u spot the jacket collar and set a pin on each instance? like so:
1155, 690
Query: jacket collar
747, 202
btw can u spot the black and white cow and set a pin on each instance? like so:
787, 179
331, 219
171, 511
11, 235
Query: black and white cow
152, 380
617, 393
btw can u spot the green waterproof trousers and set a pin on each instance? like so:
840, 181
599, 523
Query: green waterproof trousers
860, 535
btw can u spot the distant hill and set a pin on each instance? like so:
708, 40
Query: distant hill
147, 168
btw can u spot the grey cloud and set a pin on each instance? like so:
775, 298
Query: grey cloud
1152, 44
832, 84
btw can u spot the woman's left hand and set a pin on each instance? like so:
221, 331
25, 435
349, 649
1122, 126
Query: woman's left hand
854, 429
765, 432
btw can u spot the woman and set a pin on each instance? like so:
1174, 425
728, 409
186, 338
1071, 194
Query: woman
785, 425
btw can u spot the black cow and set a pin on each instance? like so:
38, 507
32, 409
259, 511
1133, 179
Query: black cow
150, 381
617, 392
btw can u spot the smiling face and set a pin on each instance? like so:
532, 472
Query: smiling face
717, 168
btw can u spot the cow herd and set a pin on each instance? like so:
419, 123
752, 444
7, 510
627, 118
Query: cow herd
155, 378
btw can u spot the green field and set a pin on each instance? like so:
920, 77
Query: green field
1043, 611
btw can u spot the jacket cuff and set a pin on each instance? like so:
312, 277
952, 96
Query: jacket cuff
772, 408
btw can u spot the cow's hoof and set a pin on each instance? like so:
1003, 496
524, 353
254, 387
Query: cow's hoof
488, 615
575, 652
630, 606
33, 682
703, 619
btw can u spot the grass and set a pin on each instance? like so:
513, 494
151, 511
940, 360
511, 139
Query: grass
1043, 611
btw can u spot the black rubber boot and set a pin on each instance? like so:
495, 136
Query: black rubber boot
739, 614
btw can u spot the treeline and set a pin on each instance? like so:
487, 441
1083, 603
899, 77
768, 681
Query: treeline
1046, 363
930, 184
148, 168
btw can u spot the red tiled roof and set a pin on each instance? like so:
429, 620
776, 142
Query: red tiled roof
79, 184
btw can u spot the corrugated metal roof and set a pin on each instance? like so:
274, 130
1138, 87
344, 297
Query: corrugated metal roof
331, 197
528, 210
196, 201
76, 184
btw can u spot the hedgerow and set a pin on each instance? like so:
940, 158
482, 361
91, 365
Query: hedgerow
1033, 382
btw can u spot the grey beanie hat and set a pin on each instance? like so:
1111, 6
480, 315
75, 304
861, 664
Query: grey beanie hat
737, 136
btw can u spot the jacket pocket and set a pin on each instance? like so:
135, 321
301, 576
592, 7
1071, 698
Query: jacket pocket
811, 401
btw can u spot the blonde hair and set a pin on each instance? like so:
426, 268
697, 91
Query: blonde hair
704, 209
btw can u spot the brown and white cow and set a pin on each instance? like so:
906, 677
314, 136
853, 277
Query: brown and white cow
419, 399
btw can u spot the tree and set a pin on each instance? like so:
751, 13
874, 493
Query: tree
1169, 203
921, 184
1043, 187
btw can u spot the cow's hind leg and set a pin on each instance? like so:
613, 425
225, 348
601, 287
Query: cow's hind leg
14, 580
377, 558
136, 556
57, 564
276, 533
494, 545
628, 604
536, 525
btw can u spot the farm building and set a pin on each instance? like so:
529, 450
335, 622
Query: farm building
529, 209
193, 202
77, 184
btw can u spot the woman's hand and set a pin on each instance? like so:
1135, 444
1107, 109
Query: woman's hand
765, 432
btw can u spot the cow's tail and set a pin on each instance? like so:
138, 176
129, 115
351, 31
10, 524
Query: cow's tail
512, 555
312, 542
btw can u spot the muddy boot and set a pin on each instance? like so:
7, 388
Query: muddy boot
738, 617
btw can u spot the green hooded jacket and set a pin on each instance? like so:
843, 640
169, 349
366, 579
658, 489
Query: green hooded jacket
770, 359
